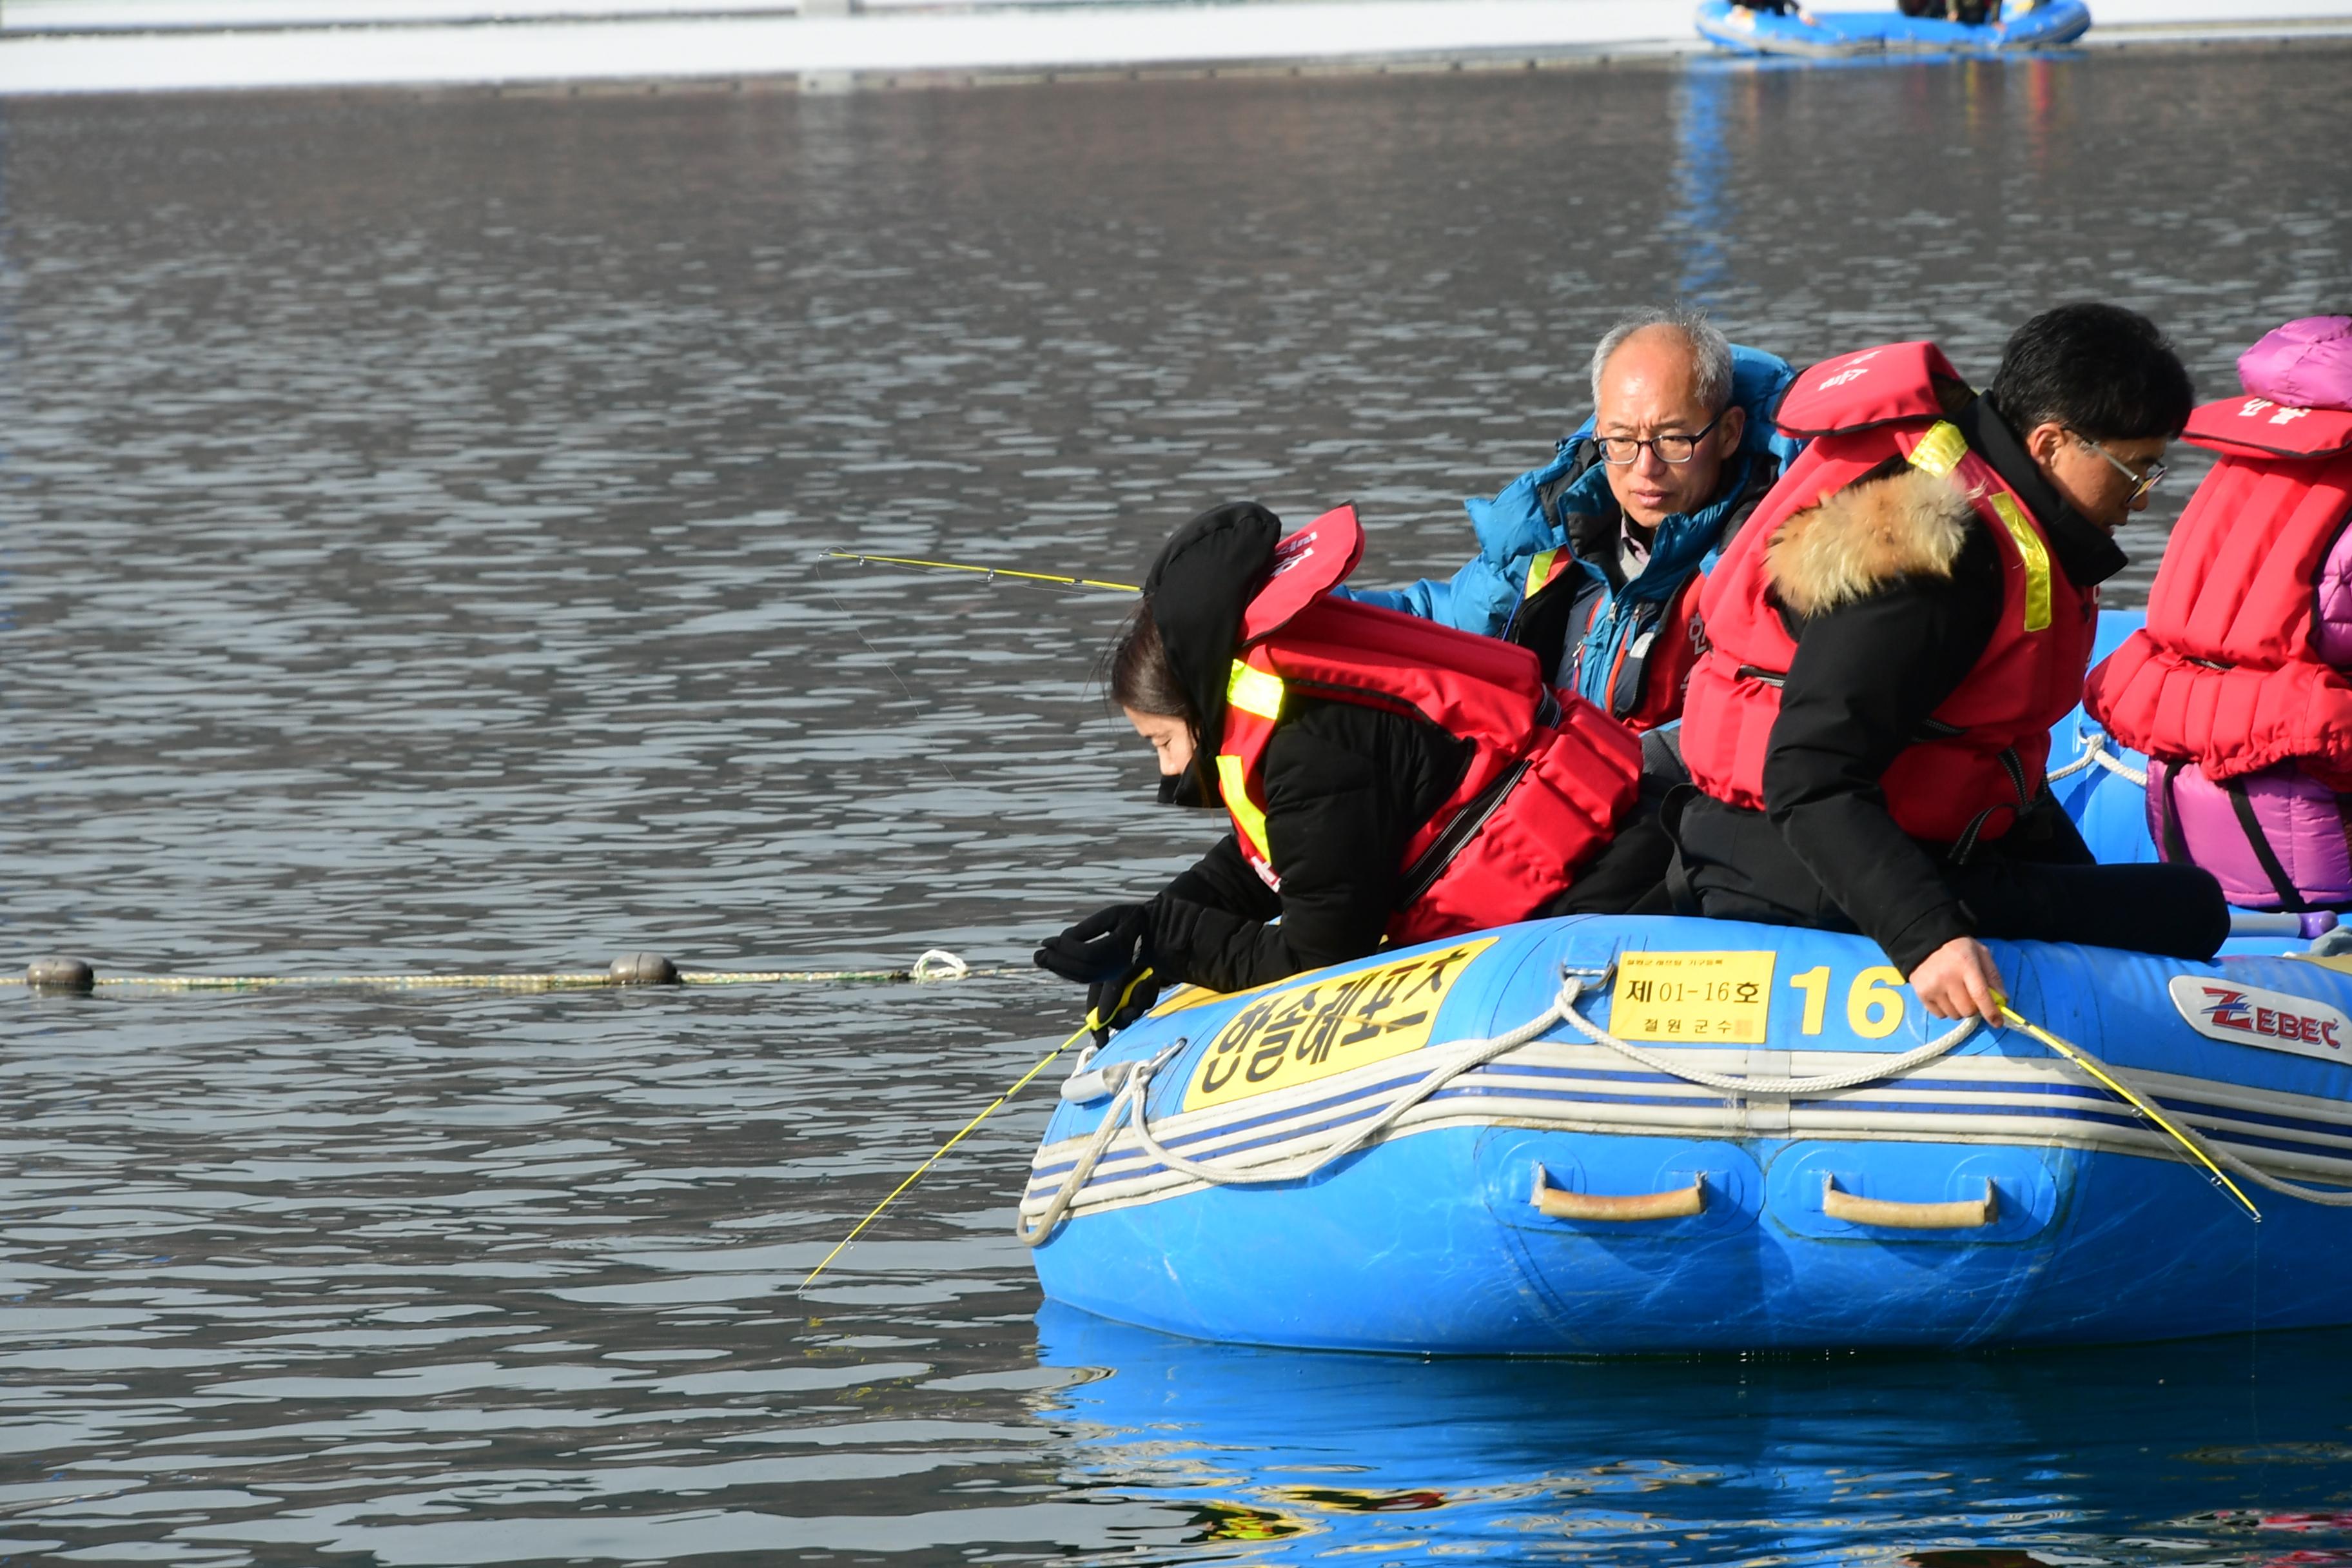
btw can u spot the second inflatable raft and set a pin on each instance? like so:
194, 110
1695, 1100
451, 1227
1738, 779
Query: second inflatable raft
1842, 34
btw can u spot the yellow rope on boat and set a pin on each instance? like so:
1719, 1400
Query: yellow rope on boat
2090, 1064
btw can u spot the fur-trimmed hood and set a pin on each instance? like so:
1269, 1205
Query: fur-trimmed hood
1906, 523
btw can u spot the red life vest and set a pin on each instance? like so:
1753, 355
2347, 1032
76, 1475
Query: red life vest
2225, 674
1985, 761
1550, 775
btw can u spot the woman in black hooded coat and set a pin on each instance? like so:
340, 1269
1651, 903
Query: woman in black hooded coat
1346, 787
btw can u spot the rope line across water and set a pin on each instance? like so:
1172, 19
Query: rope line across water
635, 969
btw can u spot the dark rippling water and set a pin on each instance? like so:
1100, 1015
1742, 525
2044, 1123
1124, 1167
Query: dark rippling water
407, 520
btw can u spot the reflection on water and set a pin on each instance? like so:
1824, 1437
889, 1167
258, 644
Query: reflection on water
408, 509
2107, 1455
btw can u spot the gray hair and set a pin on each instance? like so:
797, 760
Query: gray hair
1708, 346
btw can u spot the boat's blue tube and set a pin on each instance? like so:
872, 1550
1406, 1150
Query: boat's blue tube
2003, 1196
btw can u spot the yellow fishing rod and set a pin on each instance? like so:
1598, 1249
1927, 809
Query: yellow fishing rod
1094, 1022
2083, 1059
913, 563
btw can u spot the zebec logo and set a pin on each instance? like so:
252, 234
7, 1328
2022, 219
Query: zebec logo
2252, 1016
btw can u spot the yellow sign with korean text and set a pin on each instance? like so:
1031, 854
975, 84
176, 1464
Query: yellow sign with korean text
1301, 1032
1692, 998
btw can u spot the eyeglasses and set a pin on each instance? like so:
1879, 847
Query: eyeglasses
1618, 451
2140, 483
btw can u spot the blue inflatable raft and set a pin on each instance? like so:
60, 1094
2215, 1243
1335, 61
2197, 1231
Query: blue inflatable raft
1833, 34
1614, 1134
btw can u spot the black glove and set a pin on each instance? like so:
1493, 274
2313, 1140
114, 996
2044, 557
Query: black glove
1114, 1004
1106, 942
1109, 952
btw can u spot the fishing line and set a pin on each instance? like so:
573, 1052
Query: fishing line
1094, 1022
993, 574
891, 670
937, 1154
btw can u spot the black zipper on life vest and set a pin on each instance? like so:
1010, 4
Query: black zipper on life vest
1758, 672
1431, 863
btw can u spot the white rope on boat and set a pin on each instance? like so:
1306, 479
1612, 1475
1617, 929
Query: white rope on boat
1778, 1087
1124, 1100
1132, 1089
2330, 1197
1451, 1063
2095, 750
1799, 1088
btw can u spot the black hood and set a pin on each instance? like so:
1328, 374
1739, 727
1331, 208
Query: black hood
1206, 574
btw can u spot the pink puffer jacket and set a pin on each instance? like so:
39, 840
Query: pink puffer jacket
2304, 364
2278, 838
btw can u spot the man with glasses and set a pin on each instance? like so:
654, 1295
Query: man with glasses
1892, 638
1592, 560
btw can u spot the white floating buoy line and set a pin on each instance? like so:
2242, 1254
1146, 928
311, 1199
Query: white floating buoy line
56, 972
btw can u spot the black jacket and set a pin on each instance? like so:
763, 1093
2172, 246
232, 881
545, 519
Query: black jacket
1865, 677
1346, 786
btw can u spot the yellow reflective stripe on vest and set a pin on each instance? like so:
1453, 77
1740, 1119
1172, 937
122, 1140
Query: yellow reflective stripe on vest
1538, 573
1940, 450
1254, 692
2036, 557
1233, 783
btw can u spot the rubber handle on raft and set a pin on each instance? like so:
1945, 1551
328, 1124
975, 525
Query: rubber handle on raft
1560, 1204
1962, 1213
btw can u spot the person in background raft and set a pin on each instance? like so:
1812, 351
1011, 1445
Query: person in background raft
1385, 778
1970, 13
1892, 638
1593, 561
2239, 686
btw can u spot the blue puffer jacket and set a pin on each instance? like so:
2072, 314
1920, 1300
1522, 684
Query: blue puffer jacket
1531, 518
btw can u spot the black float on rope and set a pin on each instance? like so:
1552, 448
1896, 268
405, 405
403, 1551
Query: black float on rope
643, 969
55, 973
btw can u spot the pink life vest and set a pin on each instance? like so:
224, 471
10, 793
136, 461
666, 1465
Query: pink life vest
2239, 686
2231, 671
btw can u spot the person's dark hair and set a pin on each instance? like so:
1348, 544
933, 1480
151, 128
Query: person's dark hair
1136, 672
2102, 371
